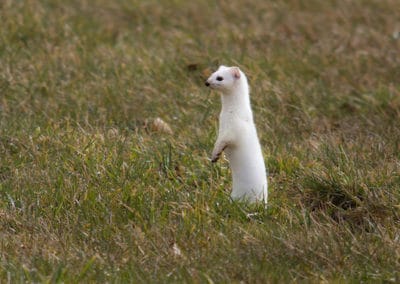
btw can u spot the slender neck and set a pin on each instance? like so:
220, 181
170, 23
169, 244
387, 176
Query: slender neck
237, 100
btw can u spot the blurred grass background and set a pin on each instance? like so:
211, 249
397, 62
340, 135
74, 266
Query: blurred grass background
91, 192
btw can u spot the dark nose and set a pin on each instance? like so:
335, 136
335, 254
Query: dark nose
207, 84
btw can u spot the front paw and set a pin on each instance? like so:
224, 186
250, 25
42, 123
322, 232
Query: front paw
215, 157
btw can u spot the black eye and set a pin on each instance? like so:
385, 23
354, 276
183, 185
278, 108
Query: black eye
219, 78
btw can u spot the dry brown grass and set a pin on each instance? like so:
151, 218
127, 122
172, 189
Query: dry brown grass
91, 191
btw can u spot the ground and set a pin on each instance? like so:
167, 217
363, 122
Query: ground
91, 190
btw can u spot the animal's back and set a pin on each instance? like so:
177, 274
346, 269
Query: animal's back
247, 165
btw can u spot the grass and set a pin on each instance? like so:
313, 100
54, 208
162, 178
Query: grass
92, 191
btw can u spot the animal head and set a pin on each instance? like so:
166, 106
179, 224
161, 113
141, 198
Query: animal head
224, 79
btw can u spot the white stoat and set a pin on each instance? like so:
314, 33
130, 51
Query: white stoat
237, 136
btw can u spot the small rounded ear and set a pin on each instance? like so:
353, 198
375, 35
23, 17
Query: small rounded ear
236, 72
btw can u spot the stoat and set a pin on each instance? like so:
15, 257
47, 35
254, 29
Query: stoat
237, 136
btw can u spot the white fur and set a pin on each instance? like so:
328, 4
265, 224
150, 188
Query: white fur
237, 136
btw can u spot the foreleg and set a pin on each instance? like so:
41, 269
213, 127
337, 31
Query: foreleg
219, 147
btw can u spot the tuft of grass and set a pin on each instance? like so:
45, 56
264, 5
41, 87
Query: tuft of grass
90, 192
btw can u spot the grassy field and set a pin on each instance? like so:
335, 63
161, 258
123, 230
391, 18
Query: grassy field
92, 191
